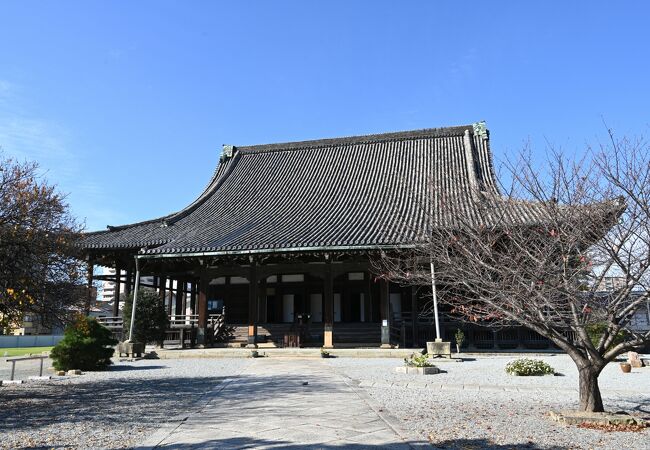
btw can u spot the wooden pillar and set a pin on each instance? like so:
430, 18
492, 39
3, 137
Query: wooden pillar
183, 291
193, 297
202, 306
262, 301
279, 305
328, 313
384, 307
162, 282
178, 304
414, 313
367, 309
370, 314
89, 294
128, 288
118, 285
252, 305
170, 294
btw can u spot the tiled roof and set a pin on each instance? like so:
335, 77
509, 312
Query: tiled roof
353, 192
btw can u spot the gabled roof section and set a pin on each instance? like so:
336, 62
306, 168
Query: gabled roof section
351, 192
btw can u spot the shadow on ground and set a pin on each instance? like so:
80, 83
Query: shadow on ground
128, 368
147, 402
487, 444
250, 443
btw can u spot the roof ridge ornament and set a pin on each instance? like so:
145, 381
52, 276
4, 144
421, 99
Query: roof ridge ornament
227, 151
480, 129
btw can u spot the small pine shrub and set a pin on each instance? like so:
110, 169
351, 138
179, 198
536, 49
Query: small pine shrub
416, 360
529, 367
459, 336
86, 345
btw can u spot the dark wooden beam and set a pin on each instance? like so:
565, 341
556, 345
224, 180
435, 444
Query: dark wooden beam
328, 313
262, 301
162, 283
202, 306
263, 271
253, 308
129, 282
193, 297
384, 309
414, 313
118, 281
182, 294
89, 295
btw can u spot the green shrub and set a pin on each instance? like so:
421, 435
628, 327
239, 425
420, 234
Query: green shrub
416, 360
459, 336
528, 367
151, 319
86, 345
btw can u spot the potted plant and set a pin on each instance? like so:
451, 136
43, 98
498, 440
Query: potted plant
460, 338
626, 367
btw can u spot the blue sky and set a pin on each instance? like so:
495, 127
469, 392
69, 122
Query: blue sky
126, 104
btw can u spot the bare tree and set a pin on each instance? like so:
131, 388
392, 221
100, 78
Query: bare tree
40, 270
538, 256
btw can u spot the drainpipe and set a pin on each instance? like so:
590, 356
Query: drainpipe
135, 298
435, 302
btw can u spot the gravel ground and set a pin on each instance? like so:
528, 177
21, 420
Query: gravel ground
471, 418
113, 409
118, 408
24, 369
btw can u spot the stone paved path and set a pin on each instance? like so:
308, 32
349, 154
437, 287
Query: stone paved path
269, 406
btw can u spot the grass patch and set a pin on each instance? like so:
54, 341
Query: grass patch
21, 351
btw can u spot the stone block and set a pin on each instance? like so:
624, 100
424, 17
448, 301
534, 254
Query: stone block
130, 349
600, 418
634, 360
439, 348
418, 370
74, 372
60, 373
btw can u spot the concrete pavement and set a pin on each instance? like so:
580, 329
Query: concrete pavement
285, 403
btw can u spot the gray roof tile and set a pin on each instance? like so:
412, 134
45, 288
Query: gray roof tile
362, 192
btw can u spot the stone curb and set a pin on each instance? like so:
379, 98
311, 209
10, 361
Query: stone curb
429, 385
410, 438
460, 387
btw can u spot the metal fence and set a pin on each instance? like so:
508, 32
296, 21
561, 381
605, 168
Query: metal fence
46, 340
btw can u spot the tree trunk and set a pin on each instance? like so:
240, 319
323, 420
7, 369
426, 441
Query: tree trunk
590, 399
